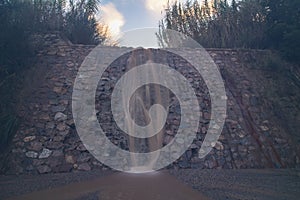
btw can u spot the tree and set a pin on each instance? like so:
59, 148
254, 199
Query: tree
218, 24
283, 19
14, 46
81, 24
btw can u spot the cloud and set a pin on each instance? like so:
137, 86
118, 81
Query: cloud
110, 16
157, 6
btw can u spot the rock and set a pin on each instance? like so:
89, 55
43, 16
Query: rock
35, 146
52, 52
55, 162
81, 147
40, 125
60, 117
194, 146
58, 138
201, 152
252, 148
17, 151
254, 101
64, 168
264, 128
37, 162
184, 164
29, 138
169, 132
242, 148
70, 159
97, 163
29, 168
197, 163
43, 169
176, 122
221, 161
218, 145
61, 54
54, 145
60, 90
168, 139
50, 125
61, 127
64, 102
70, 64
45, 153
211, 163
297, 161
57, 153
241, 134
83, 158
53, 102
45, 117
233, 59
58, 108
206, 115
70, 123
212, 144
280, 141
64, 133
31, 154
218, 62
84, 167
19, 170
239, 164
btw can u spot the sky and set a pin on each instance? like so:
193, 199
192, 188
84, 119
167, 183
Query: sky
124, 15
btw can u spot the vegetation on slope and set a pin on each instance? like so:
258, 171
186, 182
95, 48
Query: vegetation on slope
256, 24
21, 19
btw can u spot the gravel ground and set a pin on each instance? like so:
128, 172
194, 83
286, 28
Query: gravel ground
13, 185
210, 184
244, 184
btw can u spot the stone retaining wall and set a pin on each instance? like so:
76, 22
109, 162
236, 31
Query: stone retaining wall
47, 142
